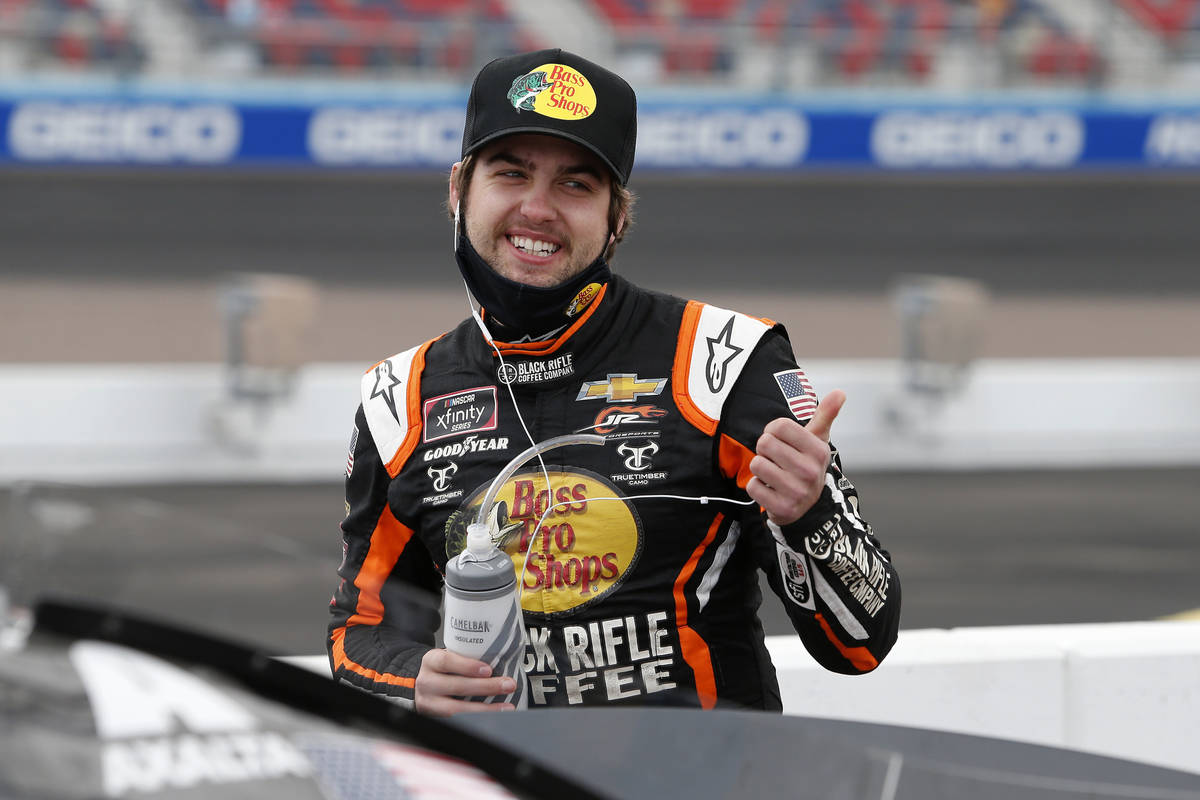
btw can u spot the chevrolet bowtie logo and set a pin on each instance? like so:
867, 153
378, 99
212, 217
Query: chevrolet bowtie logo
621, 388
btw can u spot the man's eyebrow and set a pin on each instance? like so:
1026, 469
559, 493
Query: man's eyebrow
584, 169
507, 158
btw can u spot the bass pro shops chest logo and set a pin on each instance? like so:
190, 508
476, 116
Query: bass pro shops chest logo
587, 545
553, 90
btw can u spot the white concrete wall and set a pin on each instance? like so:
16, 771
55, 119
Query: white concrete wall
102, 424
1130, 690
1125, 690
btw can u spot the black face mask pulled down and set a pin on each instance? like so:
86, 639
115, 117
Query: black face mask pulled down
524, 311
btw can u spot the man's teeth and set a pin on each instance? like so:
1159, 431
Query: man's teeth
535, 247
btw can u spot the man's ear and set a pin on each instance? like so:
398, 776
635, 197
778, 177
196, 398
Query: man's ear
454, 198
620, 227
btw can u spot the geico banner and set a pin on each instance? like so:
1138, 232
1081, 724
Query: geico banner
762, 136
136, 133
1004, 139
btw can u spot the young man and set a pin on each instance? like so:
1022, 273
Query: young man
637, 563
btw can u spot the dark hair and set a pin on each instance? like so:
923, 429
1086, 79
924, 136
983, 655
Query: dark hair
621, 201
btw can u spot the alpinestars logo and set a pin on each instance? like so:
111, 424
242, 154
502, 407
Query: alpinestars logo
385, 386
721, 351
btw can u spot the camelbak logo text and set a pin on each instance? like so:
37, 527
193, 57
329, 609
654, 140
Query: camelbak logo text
471, 625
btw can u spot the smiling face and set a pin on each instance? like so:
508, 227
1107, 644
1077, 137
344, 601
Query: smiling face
538, 208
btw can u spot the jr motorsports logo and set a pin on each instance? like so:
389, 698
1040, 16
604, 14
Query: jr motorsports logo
553, 90
637, 417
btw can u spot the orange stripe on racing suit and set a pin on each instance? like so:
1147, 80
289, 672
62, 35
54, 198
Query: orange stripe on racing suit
682, 367
695, 649
860, 657
734, 459
546, 348
341, 660
413, 403
388, 541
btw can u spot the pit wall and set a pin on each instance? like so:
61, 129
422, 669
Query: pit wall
1128, 690
159, 423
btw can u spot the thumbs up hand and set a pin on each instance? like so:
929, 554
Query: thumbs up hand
790, 462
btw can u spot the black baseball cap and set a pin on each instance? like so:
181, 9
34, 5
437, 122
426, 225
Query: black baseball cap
556, 93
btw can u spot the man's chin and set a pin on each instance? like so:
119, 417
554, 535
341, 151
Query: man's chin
538, 278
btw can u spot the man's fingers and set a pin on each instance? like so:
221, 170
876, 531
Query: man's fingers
441, 660
457, 686
826, 413
446, 678
447, 706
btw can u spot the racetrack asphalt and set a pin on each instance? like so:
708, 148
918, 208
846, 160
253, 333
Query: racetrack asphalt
972, 549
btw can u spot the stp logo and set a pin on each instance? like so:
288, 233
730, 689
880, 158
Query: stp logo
441, 476
638, 457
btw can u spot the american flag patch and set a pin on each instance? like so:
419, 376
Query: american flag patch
798, 392
350, 458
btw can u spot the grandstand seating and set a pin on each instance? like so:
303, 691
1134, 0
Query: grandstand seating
855, 40
366, 35
851, 42
71, 34
1169, 18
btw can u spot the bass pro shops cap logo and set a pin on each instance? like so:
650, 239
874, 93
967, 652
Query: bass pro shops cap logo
553, 90
586, 546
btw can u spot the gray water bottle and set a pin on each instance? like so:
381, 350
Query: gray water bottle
483, 613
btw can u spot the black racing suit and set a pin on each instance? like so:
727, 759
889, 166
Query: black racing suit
646, 600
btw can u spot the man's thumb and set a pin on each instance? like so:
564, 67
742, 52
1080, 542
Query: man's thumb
826, 413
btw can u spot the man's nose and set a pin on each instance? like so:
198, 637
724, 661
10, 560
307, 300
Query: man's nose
536, 205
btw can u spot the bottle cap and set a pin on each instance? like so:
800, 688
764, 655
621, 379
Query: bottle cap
479, 541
